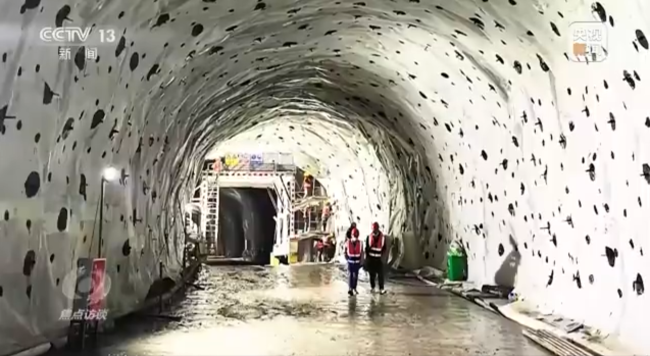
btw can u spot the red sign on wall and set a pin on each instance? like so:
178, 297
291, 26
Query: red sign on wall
96, 298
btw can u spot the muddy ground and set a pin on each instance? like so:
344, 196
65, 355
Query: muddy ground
304, 310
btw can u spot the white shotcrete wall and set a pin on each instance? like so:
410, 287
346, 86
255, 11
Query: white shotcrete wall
460, 119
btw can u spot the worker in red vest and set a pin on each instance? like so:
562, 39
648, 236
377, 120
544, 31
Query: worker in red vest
375, 249
353, 254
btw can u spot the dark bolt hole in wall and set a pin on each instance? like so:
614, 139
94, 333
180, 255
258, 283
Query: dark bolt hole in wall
246, 214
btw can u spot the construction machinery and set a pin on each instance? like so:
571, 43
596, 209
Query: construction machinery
298, 212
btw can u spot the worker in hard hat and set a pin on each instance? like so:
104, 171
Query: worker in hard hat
354, 256
375, 249
348, 233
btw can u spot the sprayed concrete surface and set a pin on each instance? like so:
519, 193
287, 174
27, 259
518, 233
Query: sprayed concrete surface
304, 310
441, 119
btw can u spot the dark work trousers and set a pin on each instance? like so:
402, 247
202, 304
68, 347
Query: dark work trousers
376, 271
353, 274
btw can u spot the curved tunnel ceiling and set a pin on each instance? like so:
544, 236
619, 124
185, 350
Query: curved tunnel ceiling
475, 124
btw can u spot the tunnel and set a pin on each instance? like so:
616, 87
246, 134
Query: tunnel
246, 224
466, 121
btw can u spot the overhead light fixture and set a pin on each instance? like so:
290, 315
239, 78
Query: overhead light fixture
110, 174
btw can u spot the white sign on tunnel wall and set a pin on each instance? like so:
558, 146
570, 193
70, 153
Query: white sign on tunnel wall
588, 41
257, 159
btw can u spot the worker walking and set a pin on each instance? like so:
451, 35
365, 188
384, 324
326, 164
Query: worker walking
375, 249
348, 233
353, 254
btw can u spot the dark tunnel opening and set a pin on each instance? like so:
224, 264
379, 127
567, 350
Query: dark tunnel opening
247, 224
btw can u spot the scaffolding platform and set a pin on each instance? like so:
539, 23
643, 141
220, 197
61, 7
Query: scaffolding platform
309, 202
297, 208
274, 172
311, 235
227, 261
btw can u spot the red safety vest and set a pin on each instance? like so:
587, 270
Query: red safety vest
354, 251
376, 245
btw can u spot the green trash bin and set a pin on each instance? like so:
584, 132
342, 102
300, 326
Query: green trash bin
456, 263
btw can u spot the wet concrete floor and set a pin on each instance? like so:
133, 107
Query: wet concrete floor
304, 310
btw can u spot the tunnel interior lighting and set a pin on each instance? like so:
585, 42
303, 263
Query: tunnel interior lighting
110, 174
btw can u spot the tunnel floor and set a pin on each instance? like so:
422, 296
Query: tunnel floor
304, 310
